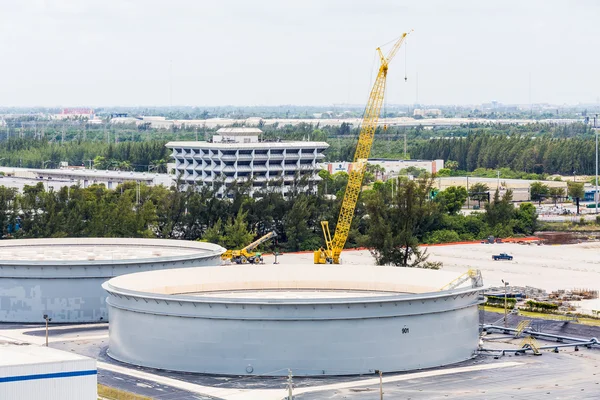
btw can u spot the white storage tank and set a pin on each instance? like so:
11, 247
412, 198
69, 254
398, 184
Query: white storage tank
62, 277
312, 319
31, 372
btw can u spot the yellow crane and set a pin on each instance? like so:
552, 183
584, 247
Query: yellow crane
245, 255
330, 254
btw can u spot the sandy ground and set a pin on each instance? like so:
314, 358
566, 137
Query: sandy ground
545, 267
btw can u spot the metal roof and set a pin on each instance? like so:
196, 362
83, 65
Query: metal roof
316, 279
259, 145
80, 251
16, 354
239, 131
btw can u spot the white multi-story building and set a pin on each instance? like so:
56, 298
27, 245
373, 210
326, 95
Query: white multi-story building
237, 155
392, 167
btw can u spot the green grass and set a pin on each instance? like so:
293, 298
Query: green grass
580, 320
116, 394
553, 226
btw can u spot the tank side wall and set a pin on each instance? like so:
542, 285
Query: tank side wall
68, 294
64, 300
308, 347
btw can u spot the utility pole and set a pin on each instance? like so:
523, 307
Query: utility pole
405, 145
290, 385
596, 191
468, 196
378, 371
47, 320
498, 187
505, 302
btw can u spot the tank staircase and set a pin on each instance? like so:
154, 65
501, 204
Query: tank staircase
529, 343
524, 324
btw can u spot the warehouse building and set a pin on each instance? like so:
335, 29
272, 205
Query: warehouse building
31, 372
392, 168
238, 155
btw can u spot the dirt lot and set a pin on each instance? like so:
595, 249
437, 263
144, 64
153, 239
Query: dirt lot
545, 267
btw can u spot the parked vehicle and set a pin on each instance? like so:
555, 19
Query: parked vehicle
502, 256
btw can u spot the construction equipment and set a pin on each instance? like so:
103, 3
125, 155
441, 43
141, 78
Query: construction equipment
245, 255
330, 254
473, 274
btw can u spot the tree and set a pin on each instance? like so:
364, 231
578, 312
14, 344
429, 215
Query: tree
376, 170
100, 162
500, 212
557, 193
479, 192
295, 224
236, 234
214, 234
452, 199
526, 216
398, 223
443, 172
452, 165
539, 191
575, 190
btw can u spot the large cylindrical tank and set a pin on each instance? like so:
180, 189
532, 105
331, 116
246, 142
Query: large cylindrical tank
63, 277
314, 320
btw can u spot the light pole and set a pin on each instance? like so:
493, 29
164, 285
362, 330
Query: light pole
468, 197
44, 163
596, 191
377, 371
498, 184
505, 301
47, 320
290, 385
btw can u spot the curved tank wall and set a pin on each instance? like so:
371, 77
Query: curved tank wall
63, 277
248, 320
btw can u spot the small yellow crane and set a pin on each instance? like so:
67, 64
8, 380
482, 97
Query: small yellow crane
245, 255
330, 254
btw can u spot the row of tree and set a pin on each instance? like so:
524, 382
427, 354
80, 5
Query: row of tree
392, 217
40, 153
520, 153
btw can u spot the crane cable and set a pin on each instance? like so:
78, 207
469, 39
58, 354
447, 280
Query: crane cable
405, 58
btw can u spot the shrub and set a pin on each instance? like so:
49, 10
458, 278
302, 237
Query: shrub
541, 306
441, 236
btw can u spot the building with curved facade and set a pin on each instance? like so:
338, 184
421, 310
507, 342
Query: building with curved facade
312, 319
62, 278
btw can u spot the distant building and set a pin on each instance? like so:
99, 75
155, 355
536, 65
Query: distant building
237, 155
75, 113
427, 112
237, 135
392, 167
111, 179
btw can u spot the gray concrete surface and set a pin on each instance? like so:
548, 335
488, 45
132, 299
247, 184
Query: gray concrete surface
566, 375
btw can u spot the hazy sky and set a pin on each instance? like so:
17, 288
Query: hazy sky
305, 52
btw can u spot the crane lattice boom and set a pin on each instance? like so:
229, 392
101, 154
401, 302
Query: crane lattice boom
358, 168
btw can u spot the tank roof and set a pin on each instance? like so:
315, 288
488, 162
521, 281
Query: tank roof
250, 283
66, 250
